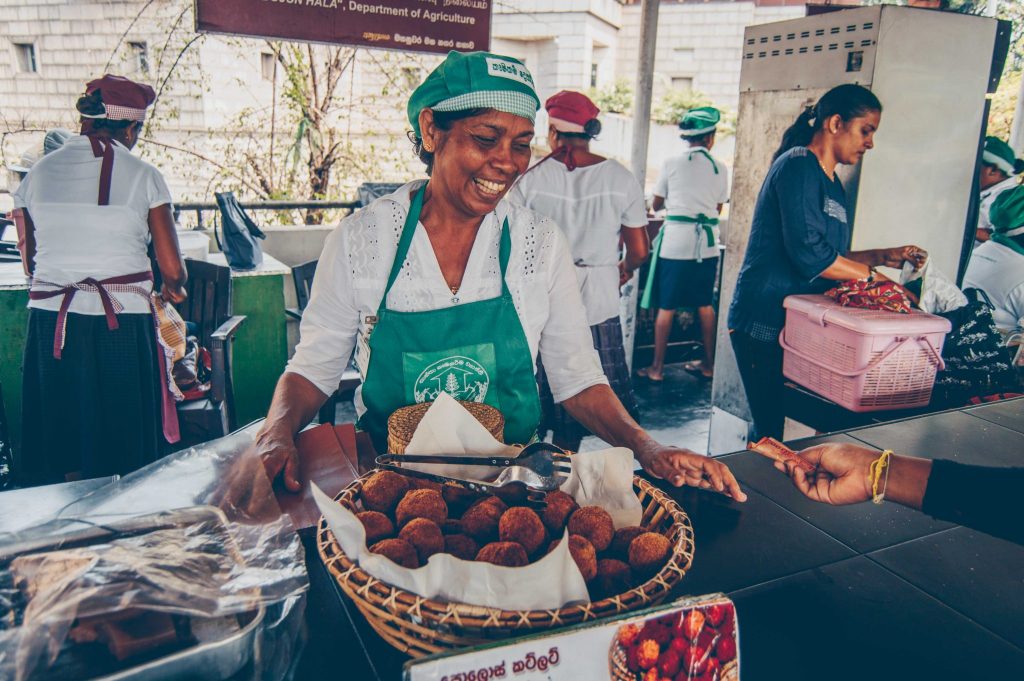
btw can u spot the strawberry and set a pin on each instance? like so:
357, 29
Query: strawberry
695, 659
715, 614
725, 649
647, 654
707, 638
712, 672
679, 645
651, 675
692, 623
632, 660
668, 663
628, 634
657, 632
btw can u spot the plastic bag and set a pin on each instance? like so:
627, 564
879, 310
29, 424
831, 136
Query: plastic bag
196, 534
239, 243
937, 294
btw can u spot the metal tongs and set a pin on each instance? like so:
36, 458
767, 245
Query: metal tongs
526, 477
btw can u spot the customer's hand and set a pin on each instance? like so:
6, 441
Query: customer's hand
841, 476
173, 295
683, 467
895, 257
279, 456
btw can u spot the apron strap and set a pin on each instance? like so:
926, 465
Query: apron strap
405, 242
104, 146
714, 166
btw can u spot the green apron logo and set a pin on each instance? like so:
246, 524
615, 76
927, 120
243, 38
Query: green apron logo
463, 373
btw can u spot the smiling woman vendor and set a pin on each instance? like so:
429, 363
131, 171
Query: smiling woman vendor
444, 285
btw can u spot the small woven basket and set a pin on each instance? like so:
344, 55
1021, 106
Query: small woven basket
420, 626
402, 422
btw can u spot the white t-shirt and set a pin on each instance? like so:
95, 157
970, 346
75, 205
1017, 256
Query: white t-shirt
590, 204
75, 237
353, 271
999, 272
690, 185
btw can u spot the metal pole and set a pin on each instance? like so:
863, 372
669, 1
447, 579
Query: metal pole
1017, 129
644, 88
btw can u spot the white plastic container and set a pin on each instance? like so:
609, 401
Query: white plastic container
863, 360
194, 244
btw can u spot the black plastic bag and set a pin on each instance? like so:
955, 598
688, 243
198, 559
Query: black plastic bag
977, 362
239, 242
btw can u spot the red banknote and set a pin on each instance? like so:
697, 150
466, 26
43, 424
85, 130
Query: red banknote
777, 451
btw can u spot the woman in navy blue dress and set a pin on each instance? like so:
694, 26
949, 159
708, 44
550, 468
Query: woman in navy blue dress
800, 239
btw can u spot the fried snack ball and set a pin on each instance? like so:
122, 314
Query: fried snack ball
383, 490
425, 536
648, 552
421, 503
620, 542
506, 553
523, 526
377, 525
613, 577
557, 509
461, 546
480, 521
593, 523
399, 551
458, 499
585, 556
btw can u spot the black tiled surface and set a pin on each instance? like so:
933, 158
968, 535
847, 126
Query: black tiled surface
950, 435
739, 545
856, 620
975, 574
863, 527
1007, 413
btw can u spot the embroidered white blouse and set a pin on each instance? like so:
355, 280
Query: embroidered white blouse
353, 270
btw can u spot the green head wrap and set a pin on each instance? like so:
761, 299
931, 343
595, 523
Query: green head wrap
476, 80
700, 121
998, 153
1007, 218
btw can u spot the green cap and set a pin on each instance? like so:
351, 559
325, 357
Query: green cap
1007, 212
476, 80
1000, 154
699, 121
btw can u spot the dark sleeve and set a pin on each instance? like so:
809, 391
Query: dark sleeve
801, 203
980, 497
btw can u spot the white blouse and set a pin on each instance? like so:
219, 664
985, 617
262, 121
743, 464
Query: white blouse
353, 271
591, 204
75, 237
690, 185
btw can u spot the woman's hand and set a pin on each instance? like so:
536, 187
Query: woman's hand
895, 257
279, 456
625, 274
841, 476
173, 295
683, 467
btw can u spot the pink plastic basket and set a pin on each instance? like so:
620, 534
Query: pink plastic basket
863, 360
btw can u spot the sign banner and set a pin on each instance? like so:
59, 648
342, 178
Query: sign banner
412, 25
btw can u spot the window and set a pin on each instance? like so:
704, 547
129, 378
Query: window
682, 83
267, 65
140, 52
26, 57
593, 75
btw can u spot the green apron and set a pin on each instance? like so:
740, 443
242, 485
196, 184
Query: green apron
701, 223
475, 352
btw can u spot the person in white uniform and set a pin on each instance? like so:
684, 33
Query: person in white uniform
96, 389
997, 266
998, 173
692, 188
445, 285
598, 203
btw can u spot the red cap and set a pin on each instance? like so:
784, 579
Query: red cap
124, 99
570, 111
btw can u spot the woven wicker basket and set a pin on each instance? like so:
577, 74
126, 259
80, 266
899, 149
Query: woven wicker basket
419, 626
402, 422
